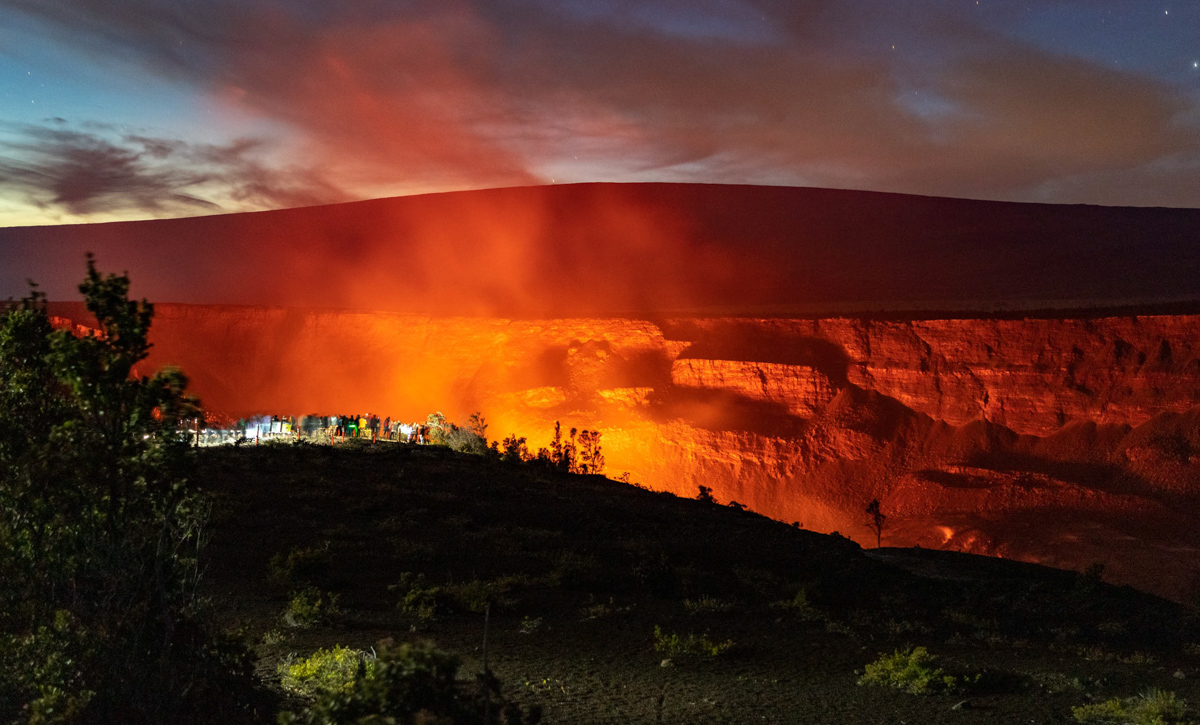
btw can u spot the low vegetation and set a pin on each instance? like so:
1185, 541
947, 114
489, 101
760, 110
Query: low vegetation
332, 670
603, 600
690, 646
1153, 707
411, 683
308, 607
910, 671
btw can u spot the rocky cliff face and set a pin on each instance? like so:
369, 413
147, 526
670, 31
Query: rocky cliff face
1065, 441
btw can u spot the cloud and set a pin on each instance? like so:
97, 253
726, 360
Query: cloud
97, 170
377, 98
470, 93
83, 174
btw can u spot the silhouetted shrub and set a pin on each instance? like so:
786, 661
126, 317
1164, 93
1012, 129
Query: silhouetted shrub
577, 452
515, 450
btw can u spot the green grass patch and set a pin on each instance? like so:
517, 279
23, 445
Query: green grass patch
912, 671
326, 670
694, 646
1153, 707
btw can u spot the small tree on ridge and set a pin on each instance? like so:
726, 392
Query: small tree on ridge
877, 521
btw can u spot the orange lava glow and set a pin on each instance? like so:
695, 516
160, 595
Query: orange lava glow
641, 250
973, 434
622, 308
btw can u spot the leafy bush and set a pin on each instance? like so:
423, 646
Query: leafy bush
308, 607
412, 683
910, 671
465, 440
438, 428
1155, 707
693, 645
471, 438
100, 535
416, 597
326, 670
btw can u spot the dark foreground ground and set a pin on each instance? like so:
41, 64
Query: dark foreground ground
580, 571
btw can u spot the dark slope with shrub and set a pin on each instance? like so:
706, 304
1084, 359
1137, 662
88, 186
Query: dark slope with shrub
413, 542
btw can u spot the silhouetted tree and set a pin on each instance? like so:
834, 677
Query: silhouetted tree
514, 450
877, 521
478, 425
100, 534
591, 460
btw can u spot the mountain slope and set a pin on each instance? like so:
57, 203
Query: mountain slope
643, 249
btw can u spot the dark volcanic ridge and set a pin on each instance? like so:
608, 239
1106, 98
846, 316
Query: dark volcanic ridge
580, 571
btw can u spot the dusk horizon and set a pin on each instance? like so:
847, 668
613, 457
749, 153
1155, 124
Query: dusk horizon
144, 109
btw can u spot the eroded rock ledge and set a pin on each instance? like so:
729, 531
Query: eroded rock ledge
1064, 441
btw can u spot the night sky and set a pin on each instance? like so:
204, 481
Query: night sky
129, 109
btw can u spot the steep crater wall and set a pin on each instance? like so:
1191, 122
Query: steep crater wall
1064, 441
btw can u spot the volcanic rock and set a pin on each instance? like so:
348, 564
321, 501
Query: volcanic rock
1062, 441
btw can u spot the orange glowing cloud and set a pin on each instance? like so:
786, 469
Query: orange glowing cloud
383, 103
365, 100
632, 249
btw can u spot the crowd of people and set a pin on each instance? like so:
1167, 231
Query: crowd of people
335, 428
